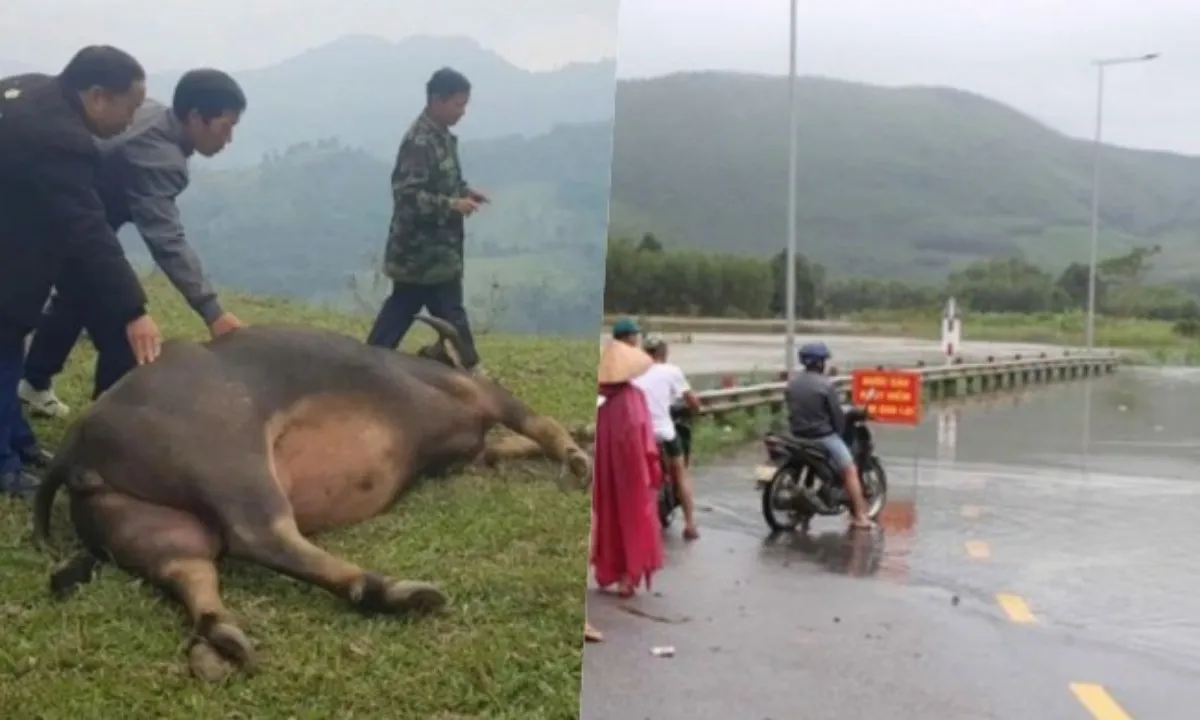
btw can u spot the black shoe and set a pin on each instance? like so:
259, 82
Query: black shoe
36, 456
19, 484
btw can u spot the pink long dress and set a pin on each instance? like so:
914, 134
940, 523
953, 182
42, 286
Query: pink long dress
626, 537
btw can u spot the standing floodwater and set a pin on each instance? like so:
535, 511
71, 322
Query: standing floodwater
1088, 495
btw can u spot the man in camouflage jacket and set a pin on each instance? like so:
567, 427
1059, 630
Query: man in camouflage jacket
424, 256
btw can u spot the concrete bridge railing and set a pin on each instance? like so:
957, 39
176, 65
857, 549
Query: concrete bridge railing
938, 382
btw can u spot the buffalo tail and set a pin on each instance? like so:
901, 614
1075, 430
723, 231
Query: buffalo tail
58, 474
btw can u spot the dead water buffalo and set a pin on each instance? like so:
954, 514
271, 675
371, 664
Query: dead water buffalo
249, 444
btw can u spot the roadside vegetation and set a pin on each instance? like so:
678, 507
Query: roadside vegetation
509, 547
1005, 299
1154, 341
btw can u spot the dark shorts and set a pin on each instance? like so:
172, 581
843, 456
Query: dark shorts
671, 448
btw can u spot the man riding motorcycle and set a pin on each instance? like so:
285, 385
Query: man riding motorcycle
663, 385
815, 413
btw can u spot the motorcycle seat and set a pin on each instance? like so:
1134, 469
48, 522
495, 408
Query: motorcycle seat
809, 447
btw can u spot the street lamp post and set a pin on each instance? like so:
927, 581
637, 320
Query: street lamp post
1097, 146
790, 270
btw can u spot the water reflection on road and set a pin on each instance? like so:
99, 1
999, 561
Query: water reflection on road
1073, 506
1139, 421
1087, 496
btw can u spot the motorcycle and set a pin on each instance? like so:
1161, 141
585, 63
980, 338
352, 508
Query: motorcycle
799, 480
668, 494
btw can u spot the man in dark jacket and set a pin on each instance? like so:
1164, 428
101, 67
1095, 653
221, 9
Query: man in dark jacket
52, 221
424, 256
143, 171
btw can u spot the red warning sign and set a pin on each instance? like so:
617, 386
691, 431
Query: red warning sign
890, 396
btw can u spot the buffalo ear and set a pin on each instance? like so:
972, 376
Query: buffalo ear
448, 339
442, 352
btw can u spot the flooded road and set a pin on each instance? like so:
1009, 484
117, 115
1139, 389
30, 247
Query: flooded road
1037, 558
719, 353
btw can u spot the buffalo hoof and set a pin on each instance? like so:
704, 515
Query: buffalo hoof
415, 597
399, 597
219, 649
579, 464
207, 664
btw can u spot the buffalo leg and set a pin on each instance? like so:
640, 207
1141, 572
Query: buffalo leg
510, 447
176, 551
557, 443
218, 641
279, 545
514, 447
546, 432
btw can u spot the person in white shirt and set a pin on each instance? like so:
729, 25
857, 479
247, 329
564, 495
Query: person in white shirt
665, 385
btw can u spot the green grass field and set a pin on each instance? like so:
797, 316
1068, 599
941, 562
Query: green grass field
509, 547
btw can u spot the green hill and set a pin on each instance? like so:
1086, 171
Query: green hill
909, 182
308, 222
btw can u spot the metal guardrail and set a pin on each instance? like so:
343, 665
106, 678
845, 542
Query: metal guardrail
938, 381
668, 323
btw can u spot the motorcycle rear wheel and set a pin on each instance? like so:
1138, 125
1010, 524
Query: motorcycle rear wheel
668, 503
786, 478
875, 487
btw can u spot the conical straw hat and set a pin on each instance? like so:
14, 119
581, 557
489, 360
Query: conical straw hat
620, 363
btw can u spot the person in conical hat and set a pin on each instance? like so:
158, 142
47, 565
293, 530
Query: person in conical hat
621, 362
626, 548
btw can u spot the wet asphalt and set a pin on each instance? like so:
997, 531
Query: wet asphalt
1037, 560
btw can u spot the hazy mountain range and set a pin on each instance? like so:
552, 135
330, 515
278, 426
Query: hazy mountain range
365, 91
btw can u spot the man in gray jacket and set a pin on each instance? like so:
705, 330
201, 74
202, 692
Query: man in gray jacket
143, 171
815, 413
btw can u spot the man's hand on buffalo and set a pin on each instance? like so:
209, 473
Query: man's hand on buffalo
227, 322
144, 339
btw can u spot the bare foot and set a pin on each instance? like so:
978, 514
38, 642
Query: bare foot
691, 533
861, 523
625, 589
591, 634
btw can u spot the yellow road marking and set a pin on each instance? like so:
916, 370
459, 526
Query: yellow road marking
1016, 608
978, 549
1098, 702
971, 511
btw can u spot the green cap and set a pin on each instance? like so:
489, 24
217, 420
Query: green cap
625, 326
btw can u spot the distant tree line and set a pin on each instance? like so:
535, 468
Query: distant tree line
644, 277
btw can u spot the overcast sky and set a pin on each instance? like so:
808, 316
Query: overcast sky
1033, 54
170, 34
